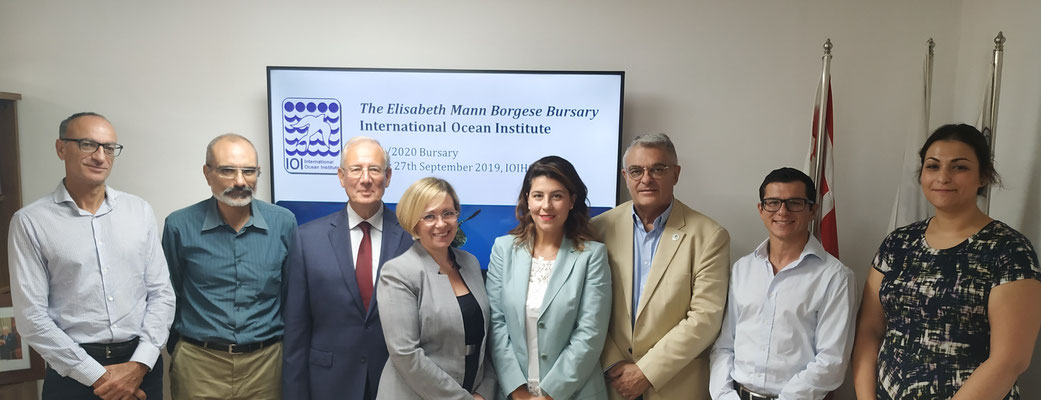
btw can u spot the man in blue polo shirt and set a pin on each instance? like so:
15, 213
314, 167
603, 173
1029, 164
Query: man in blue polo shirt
227, 256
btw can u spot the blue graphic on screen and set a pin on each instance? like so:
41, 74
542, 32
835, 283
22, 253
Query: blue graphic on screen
311, 131
483, 145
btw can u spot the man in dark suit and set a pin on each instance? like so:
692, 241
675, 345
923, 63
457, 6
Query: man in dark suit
8, 343
334, 346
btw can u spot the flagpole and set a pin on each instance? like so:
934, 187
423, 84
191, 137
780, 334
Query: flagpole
990, 127
929, 83
822, 136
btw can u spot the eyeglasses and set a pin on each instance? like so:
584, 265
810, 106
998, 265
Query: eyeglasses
89, 146
447, 216
635, 172
355, 171
794, 205
233, 172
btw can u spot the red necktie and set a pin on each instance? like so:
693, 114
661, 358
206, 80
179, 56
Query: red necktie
363, 265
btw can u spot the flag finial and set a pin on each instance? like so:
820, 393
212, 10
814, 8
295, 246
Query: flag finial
828, 46
932, 45
999, 41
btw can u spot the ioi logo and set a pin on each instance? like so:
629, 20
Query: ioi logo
311, 135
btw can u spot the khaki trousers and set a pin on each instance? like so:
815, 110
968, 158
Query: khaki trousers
197, 373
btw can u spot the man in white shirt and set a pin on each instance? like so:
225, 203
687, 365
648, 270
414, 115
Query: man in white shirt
89, 282
788, 328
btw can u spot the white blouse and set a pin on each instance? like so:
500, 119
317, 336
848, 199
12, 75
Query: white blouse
538, 281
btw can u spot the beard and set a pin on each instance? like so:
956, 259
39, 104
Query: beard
236, 196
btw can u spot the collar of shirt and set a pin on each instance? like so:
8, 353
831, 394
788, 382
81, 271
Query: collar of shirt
376, 220
659, 223
213, 219
62, 195
813, 247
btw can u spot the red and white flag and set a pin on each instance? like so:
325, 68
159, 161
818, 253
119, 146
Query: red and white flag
827, 232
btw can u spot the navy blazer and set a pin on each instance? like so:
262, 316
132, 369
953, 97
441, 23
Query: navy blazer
332, 344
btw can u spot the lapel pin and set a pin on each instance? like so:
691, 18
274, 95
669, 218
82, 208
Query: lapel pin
675, 236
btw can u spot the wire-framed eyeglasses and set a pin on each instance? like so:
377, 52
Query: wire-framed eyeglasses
635, 172
226, 172
447, 216
355, 171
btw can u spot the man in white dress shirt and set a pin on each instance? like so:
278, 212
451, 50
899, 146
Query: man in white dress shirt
788, 329
90, 286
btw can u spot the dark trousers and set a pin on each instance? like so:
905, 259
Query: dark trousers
57, 387
370, 392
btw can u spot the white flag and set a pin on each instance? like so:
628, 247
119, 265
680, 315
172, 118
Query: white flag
910, 205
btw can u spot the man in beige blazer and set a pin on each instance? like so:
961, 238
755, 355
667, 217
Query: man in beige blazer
670, 271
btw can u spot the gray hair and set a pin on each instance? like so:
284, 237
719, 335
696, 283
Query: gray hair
227, 136
358, 139
654, 140
63, 128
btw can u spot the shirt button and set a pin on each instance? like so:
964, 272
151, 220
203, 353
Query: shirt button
110, 298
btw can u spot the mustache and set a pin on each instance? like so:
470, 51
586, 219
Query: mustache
244, 190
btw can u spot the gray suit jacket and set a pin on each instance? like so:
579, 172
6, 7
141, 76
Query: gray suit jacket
423, 327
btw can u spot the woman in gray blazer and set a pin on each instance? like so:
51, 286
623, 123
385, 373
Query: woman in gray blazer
433, 306
549, 286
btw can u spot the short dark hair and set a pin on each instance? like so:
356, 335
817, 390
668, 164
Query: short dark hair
576, 227
971, 136
786, 175
63, 127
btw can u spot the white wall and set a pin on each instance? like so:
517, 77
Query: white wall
731, 82
1018, 133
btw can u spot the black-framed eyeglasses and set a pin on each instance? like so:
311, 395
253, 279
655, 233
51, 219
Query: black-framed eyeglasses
89, 146
355, 171
635, 172
233, 172
447, 216
794, 204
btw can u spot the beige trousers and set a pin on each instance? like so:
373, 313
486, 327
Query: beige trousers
197, 374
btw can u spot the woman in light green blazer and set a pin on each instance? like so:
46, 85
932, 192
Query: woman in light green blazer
549, 289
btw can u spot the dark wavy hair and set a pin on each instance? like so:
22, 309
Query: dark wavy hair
576, 227
972, 137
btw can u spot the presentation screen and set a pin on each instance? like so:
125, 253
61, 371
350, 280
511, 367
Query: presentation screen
479, 130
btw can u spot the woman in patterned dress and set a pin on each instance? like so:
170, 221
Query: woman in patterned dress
950, 308
549, 286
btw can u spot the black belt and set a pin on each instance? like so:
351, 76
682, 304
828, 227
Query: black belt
233, 348
746, 394
105, 351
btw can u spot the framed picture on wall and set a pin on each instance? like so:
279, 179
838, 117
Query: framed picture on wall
18, 362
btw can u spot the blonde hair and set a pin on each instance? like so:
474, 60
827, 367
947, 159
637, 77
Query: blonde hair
419, 194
